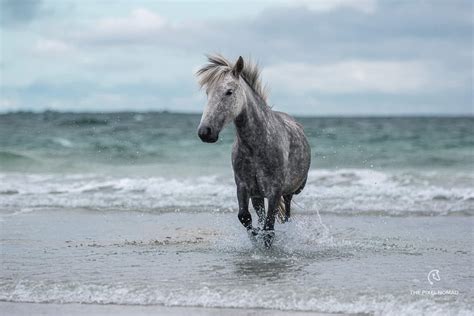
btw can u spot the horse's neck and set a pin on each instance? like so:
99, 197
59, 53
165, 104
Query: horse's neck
253, 122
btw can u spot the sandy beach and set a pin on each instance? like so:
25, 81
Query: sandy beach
140, 262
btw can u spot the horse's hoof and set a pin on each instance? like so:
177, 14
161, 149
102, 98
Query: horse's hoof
253, 233
268, 237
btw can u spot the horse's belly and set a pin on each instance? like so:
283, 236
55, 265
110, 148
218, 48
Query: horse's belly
293, 183
297, 170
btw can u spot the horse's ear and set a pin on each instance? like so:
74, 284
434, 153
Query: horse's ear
238, 67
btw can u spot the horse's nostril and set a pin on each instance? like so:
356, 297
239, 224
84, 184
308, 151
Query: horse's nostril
204, 132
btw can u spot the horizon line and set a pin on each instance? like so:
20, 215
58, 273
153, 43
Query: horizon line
348, 115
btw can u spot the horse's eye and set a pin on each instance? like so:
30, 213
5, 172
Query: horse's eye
228, 92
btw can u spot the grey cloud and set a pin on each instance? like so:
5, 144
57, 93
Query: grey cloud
435, 32
406, 29
18, 12
439, 32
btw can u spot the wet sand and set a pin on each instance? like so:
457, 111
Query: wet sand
20, 309
137, 262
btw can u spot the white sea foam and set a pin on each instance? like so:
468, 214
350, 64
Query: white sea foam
345, 192
63, 142
281, 299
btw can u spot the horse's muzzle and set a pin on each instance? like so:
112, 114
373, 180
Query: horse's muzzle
207, 135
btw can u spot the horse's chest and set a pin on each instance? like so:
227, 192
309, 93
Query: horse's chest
258, 175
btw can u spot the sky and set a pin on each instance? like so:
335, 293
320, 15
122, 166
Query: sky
320, 57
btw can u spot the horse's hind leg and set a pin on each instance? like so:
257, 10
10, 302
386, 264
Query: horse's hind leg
287, 199
259, 207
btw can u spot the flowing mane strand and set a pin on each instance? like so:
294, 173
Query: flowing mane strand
219, 66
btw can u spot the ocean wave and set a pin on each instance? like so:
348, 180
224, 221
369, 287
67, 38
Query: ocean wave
64, 142
7, 157
84, 121
342, 192
313, 299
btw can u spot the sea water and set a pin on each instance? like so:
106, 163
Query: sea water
131, 208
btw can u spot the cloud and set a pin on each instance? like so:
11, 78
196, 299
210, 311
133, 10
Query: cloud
7, 104
52, 47
366, 6
17, 12
315, 32
359, 76
138, 26
313, 53
100, 95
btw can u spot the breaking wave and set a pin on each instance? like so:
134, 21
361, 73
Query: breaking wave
343, 192
123, 294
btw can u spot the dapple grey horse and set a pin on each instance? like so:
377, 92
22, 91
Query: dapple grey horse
270, 156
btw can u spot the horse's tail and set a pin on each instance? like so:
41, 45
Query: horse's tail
281, 210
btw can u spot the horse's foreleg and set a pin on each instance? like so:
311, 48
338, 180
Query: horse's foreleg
268, 228
244, 214
287, 199
259, 206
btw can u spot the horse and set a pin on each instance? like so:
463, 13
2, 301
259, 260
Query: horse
270, 155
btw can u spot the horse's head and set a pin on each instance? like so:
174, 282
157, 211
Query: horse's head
225, 98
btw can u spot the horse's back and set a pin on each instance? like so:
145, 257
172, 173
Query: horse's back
288, 119
293, 127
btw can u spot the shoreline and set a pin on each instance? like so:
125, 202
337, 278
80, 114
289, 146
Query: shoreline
72, 262
21, 308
